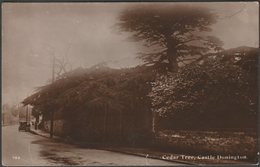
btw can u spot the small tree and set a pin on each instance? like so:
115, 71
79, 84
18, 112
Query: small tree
176, 29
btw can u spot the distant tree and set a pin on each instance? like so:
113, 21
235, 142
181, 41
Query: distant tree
15, 111
5, 107
10, 114
176, 29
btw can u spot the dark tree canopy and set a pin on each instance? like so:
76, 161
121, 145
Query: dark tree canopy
219, 92
176, 29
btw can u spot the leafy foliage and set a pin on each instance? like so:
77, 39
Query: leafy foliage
219, 87
218, 91
100, 102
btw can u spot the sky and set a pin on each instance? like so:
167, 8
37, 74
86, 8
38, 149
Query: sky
85, 33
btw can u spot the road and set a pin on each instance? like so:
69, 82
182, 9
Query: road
24, 148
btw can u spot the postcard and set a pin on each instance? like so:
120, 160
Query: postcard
130, 83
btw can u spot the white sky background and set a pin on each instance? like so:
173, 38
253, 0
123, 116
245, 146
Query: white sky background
32, 33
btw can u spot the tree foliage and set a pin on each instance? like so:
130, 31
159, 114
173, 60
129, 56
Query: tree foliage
175, 30
220, 91
100, 102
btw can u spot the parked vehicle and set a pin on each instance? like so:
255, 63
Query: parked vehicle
24, 126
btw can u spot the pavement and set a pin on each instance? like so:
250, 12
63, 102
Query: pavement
43, 134
142, 152
27, 149
147, 152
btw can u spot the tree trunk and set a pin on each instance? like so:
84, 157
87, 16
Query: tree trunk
120, 125
52, 121
37, 121
172, 56
153, 122
105, 124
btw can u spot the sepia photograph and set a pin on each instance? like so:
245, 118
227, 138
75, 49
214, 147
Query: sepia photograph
130, 83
